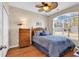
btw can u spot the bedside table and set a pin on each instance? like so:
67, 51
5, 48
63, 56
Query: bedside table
76, 51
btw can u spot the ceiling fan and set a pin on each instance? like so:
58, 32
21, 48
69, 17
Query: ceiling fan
46, 6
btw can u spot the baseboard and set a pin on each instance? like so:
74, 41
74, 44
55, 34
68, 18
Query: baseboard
13, 46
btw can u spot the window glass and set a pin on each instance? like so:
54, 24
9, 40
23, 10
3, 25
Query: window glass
66, 25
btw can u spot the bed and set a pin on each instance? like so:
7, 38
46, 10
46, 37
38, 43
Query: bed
53, 46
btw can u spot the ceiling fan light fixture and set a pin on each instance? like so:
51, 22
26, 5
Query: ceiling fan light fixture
46, 8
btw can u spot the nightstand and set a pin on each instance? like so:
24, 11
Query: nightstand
76, 51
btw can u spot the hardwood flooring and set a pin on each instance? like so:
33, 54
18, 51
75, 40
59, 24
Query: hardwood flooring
32, 51
69, 53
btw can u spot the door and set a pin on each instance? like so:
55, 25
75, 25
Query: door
0, 29
5, 32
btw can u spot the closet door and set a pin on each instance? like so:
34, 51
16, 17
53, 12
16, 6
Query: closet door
5, 32
1, 29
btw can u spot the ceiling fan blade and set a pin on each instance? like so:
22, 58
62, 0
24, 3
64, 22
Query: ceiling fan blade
53, 5
41, 10
39, 5
49, 4
44, 3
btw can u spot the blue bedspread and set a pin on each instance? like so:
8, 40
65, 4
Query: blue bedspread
55, 44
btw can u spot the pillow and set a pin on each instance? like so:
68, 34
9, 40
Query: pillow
44, 33
38, 33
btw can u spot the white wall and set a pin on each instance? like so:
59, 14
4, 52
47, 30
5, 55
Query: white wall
16, 16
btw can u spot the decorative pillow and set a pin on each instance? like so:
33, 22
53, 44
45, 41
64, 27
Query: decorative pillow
44, 33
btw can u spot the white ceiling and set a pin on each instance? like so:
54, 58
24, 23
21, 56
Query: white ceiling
31, 6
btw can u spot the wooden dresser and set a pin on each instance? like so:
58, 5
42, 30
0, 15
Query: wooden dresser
24, 37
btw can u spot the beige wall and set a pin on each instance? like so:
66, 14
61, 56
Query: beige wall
16, 15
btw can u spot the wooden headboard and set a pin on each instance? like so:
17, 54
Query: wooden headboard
34, 30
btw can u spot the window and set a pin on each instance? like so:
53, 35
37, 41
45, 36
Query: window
66, 25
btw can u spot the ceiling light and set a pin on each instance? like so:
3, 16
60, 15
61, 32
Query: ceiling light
46, 8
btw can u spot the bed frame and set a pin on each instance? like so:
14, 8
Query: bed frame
34, 30
43, 49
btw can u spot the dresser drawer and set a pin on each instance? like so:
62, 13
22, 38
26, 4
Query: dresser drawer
24, 34
24, 43
24, 37
24, 30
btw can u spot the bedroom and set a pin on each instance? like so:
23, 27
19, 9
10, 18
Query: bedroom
25, 17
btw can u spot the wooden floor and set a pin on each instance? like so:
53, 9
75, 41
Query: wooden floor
32, 51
